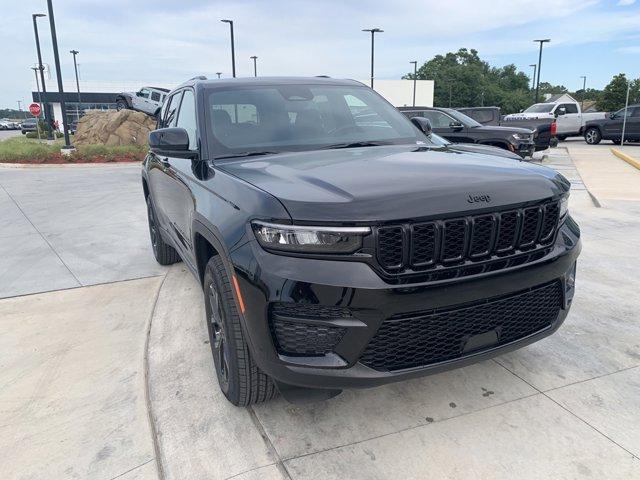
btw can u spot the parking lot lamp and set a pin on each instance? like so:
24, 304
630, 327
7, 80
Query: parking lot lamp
255, 68
34, 17
373, 32
75, 67
584, 90
626, 111
233, 48
218, 74
415, 75
541, 42
533, 82
56, 57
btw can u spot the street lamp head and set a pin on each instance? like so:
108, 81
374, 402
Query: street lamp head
545, 40
226, 21
253, 57
36, 15
414, 62
373, 30
74, 52
533, 65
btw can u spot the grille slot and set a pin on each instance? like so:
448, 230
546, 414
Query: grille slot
425, 338
456, 242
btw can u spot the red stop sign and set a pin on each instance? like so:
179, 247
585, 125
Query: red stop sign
35, 109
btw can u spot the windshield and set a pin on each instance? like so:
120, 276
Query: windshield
540, 108
303, 117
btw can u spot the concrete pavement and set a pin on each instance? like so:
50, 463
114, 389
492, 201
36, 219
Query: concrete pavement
70, 227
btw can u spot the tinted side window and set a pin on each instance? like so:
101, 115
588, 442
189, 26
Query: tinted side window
187, 118
144, 93
155, 96
438, 119
571, 107
482, 116
170, 117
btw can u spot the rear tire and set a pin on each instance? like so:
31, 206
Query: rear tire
239, 378
165, 254
617, 141
592, 136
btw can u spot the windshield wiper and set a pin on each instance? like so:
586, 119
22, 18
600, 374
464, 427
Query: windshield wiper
354, 145
245, 154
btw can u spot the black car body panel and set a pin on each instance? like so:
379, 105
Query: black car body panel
311, 320
457, 128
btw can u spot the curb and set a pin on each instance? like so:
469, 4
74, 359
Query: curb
627, 158
69, 165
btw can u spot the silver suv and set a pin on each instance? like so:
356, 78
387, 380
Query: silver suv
147, 100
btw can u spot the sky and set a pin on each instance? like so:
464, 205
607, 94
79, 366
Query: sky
168, 41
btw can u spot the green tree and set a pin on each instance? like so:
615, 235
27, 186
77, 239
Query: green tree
546, 87
463, 79
615, 93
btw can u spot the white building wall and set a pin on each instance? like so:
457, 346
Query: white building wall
400, 92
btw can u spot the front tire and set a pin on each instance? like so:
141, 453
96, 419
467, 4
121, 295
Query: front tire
121, 105
239, 378
592, 136
165, 254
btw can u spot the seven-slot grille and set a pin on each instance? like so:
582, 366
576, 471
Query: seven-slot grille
472, 238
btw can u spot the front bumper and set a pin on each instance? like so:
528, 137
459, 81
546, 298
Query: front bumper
266, 279
524, 149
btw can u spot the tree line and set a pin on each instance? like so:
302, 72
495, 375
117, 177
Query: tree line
463, 79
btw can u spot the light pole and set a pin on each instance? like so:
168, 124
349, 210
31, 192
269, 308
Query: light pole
626, 111
584, 90
373, 32
47, 119
255, 67
533, 82
233, 48
218, 73
415, 75
541, 42
20, 108
75, 67
56, 57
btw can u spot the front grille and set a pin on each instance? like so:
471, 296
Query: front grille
424, 338
480, 238
294, 335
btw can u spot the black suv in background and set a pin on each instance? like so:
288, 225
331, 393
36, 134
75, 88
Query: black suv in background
338, 246
460, 128
610, 128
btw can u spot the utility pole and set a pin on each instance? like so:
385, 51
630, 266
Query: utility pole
533, 82
450, 93
415, 75
233, 48
542, 42
626, 112
373, 32
75, 67
54, 40
47, 117
255, 67
35, 71
584, 90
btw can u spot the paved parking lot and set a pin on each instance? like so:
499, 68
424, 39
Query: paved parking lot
76, 401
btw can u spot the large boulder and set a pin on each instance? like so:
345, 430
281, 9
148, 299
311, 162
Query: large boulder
112, 127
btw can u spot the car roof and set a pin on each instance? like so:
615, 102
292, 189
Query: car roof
268, 81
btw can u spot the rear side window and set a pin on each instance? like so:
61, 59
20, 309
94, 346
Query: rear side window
437, 119
482, 116
187, 118
155, 96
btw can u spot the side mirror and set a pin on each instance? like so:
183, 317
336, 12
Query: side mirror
456, 125
169, 141
612, 115
423, 124
521, 110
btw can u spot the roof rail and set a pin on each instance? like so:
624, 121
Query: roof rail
199, 77
323, 76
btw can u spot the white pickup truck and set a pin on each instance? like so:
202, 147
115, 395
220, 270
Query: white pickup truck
570, 120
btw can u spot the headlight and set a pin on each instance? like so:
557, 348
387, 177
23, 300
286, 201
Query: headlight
522, 136
293, 238
564, 206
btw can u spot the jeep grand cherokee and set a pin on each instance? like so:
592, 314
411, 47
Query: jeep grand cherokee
338, 246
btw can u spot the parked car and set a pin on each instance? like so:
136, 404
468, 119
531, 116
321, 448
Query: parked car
459, 128
147, 99
29, 125
570, 118
6, 124
338, 246
544, 129
610, 128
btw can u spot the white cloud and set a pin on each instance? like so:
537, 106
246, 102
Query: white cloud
625, 3
169, 41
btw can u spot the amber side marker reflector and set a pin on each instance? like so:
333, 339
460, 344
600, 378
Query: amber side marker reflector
238, 294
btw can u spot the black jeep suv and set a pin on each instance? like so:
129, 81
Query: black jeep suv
338, 246
457, 127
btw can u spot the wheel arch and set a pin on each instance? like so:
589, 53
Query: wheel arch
206, 244
125, 98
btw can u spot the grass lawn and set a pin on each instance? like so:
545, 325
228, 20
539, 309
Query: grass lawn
27, 150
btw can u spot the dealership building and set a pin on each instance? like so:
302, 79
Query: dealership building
102, 95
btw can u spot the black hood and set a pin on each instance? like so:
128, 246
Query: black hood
377, 184
502, 130
484, 150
